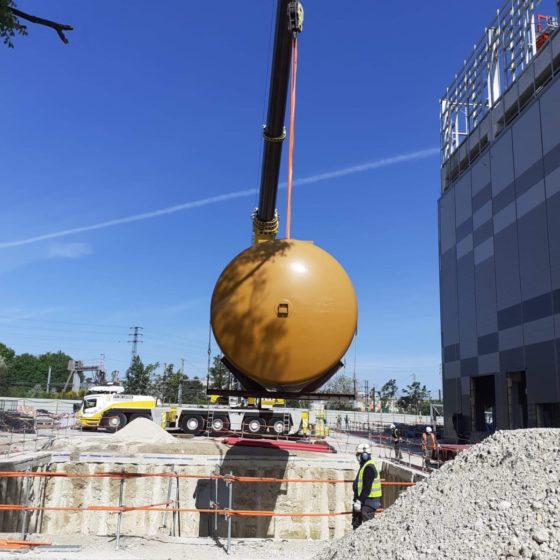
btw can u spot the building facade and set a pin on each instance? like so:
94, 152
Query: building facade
499, 231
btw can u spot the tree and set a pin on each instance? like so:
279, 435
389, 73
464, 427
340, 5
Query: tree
26, 371
220, 377
415, 399
4, 373
193, 391
387, 393
166, 385
138, 377
6, 352
342, 384
6, 366
58, 362
10, 24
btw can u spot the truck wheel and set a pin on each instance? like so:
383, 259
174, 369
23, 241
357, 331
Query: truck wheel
192, 424
278, 427
115, 421
255, 425
220, 424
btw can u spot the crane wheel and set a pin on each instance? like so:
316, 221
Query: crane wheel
255, 425
220, 424
115, 421
192, 424
278, 427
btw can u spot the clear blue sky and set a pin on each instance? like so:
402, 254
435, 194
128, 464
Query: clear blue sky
152, 106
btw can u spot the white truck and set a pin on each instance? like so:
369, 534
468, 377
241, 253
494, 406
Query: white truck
110, 408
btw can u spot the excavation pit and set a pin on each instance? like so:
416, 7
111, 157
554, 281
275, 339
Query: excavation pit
189, 467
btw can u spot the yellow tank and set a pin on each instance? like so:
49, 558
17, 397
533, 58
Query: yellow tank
284, 313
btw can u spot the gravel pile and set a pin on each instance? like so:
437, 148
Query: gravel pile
500, 499
143, 430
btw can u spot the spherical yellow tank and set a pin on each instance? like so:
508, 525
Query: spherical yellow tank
283, 313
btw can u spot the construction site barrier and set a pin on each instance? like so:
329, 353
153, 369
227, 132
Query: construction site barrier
169, 506
232, 478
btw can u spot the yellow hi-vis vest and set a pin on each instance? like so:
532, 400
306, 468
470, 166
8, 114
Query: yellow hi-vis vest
375, 491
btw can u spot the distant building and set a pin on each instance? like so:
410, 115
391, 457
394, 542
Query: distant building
499, 229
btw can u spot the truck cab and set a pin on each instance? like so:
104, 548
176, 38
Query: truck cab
113, 410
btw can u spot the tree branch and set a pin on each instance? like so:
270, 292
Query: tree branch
58, 27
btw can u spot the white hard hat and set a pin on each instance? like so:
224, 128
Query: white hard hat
392, 426
428, 430
363, 448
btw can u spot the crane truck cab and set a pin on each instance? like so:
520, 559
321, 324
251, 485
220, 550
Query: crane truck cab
113, 410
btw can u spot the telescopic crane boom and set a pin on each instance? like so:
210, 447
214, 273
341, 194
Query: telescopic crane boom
289, 22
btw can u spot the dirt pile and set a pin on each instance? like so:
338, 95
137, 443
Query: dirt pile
498, 500
143, 430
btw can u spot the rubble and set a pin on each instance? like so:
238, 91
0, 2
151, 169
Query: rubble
16, 422
498, 500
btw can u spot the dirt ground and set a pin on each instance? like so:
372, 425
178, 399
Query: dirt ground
167, 548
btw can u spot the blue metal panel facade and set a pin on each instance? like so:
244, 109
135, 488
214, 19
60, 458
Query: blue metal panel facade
499, 254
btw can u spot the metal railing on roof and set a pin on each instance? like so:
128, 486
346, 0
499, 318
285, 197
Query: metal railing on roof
504, 51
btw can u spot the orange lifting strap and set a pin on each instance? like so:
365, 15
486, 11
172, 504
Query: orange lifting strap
291, 136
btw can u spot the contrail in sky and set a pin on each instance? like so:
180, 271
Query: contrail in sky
224, 198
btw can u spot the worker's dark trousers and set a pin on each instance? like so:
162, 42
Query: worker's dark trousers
398, 454
359, 517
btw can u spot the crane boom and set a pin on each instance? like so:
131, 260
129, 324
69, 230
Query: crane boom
289, 20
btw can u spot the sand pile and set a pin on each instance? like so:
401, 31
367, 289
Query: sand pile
143, 430
498, 500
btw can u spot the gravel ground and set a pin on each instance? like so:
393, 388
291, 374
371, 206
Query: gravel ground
168, 548
498, 500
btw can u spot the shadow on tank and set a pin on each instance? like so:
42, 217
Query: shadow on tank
255, 496
240, 289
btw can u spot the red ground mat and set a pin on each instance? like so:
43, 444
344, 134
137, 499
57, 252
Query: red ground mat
320, 447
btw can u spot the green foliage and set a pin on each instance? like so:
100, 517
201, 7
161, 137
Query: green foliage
194, 391
342, 384
388, 392
415, 399
9, 24
220, 377
166, 385
25, 375
6, 352
138, 379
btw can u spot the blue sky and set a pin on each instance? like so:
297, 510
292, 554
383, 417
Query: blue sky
149, 108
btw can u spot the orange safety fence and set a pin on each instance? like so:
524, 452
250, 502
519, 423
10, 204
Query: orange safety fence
11, 544
231, 478
164, 507
158, 508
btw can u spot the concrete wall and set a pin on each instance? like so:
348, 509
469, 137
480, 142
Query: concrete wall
287, 497
197, 493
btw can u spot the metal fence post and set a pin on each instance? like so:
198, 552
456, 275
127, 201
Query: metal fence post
229, 483
119, 514
165, 514
177, 505
25, 512
215, 506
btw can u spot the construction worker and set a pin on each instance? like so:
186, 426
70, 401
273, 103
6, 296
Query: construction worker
396, 436
367, 487
429, 446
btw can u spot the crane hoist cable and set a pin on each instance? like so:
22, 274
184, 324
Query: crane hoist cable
291, 136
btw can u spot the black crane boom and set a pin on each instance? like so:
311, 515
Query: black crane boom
289, 18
